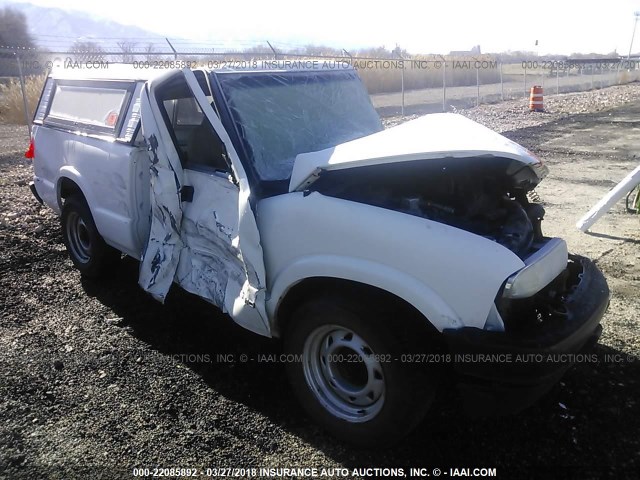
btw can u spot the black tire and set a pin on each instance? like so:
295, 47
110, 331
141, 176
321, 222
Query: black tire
407, 391
87, 249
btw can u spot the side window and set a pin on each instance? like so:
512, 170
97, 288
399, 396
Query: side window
188, 112
43, 104
195, 138
131, 123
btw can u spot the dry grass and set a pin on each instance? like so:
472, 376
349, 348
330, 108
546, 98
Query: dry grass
390, 80
417, 77
11, 103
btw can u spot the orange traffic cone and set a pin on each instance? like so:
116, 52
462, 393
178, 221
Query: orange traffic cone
536, 103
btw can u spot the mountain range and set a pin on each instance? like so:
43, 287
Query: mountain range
56, 29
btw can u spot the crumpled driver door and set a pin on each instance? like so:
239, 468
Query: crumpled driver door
227, 270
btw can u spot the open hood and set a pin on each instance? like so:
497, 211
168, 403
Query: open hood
435, 136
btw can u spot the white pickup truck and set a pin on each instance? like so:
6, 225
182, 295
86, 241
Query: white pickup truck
383, 258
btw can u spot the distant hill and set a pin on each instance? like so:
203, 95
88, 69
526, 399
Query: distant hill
57, 29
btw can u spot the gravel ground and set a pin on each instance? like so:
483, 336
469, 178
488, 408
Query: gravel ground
97, 378
515, 114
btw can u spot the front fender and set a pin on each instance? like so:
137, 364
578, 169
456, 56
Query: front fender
404, 286
450, 275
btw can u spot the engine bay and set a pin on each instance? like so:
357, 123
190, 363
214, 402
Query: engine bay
475, 196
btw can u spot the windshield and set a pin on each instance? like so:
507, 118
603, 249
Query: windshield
279, 115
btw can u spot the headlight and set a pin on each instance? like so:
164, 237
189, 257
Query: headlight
539, 270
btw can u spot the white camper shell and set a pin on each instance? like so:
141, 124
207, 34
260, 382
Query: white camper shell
276, 195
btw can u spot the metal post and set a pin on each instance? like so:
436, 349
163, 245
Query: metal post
557, 80
402, 86
525, 80
401, 78
477, 86
275, 54
27, 116
501, 84
635, 24
175, 52
444, 85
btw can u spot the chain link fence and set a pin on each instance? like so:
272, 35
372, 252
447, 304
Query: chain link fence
397, 85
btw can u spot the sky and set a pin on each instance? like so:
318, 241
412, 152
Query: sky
419, 27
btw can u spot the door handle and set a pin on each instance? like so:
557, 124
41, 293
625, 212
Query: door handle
186, 193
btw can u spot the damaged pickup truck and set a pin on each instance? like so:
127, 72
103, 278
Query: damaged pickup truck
385, 259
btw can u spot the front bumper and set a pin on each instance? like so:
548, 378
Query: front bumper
505, 372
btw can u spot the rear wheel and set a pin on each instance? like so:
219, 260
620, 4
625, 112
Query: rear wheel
87, 249
349, 374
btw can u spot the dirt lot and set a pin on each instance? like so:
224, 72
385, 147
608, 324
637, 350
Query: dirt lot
97, 378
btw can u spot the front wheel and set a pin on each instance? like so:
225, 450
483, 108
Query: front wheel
87, 249
348, 373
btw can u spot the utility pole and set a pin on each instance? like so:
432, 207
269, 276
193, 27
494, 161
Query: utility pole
635, 24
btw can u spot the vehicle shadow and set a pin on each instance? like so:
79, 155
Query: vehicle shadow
576, 424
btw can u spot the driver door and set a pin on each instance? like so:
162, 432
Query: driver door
203, 232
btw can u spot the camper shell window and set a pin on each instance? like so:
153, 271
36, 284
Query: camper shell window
90, 107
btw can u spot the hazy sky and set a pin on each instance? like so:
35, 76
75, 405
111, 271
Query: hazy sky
419, 27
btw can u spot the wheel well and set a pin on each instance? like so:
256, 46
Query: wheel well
66, 188
319, 286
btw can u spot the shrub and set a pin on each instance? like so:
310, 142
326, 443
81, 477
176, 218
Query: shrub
11, 103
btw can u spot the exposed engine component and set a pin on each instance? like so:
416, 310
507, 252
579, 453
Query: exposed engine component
498, 218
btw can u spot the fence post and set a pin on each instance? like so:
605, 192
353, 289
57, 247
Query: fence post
27, 116
402, 86
580, 79
525, 80
557, 80
401, 79
477, 86
175, 52
501, 84
444, 85
275, 54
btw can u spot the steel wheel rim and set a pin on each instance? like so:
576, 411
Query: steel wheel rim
79, 237
344, 373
